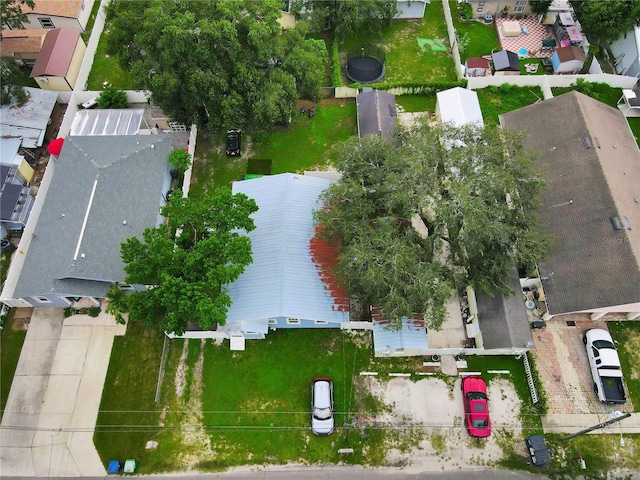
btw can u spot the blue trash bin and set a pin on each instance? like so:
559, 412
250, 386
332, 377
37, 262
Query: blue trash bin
114, 466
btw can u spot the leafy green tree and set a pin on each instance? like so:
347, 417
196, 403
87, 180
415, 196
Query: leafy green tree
112, 98
221, 64
180, 160
190, 260
344, 18
11, 14
429, 209
10, 82
604, 22
540, 7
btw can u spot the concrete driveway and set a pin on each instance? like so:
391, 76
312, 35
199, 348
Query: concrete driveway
48, 424
564, 369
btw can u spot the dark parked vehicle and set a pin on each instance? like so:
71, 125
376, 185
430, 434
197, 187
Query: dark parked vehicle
234, 139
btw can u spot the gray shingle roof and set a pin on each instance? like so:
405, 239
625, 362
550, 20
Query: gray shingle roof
503, 320
376, 113
103, 191
590, 265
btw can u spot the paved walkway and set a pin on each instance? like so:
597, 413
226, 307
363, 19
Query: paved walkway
564, 423
48, 424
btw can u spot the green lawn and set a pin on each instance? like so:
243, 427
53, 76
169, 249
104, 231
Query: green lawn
634, 123
600, 91
303, 145
224, 408
627, 338
416, 103
105, 68
128, 416
482, 38
405, 61
11, 340
497, 100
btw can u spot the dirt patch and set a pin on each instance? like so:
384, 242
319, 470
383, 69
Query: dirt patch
431, 414
631, 346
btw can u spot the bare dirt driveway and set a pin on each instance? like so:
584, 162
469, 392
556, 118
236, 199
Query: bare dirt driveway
429, 414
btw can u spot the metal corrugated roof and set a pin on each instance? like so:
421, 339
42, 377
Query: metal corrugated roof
28, 120
107, 122
56, 53
283, 280
411, 336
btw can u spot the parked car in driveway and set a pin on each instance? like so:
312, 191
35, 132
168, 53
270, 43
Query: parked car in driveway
234, 139
476, 406
605, 366
322, 406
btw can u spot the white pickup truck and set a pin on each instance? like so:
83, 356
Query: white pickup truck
605, 366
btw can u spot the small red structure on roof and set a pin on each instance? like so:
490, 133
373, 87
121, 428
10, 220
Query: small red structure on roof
55, 146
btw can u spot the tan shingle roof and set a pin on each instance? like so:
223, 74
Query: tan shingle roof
60, 8
21, 41
590, 265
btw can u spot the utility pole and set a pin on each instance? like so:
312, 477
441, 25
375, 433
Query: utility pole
613, 418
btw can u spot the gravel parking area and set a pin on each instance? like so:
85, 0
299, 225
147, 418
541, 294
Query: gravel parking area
434, 409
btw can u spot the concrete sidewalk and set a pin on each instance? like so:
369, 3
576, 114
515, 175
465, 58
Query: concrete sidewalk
573, 423
51, 412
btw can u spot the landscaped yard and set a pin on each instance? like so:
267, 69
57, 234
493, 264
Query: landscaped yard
221, 408
482, 38
600, 91
303, 145
498, 100
105, 68
405, 61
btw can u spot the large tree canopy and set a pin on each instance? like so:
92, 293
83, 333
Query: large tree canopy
343, 18
11, 90
432, 208
189, 271
604, 21
219, 63
11, 14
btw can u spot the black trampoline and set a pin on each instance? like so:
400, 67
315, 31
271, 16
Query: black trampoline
365, 64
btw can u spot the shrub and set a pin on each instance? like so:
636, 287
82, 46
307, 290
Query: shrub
465, 10
112, 98
93, 311
68, 312
180, 160
336, 68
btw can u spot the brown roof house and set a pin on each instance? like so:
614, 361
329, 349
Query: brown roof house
591, 206
59, 61
50, 14
23, 45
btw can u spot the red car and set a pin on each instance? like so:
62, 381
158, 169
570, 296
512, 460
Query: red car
476, 407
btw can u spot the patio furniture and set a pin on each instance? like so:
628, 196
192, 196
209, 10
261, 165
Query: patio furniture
511, 28
525, 30
523, 52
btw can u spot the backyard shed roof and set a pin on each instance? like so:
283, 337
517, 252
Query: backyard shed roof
376, 113
459, 106
56, 53
289, 276
505, 61
409, 339
566, 54
503, 319
477, 62
29, 119
591, 164
103, 191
